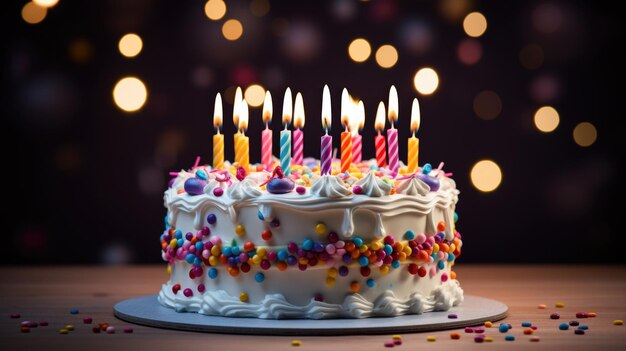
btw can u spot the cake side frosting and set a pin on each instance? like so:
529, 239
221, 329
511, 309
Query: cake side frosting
355, 245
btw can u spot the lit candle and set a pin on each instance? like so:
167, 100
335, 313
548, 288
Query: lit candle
267, 135
379, 140
236, 108
412, 158
357, 144
285, 135
327, 140
243, 142
218, 138
298, 136
392, 134
346, 136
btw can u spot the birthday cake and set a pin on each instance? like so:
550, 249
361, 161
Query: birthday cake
317, 242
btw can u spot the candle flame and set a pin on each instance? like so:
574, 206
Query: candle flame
346, 107
379, 123
267, 107
360, 116
355, 115
217, 112
287, 107
298, 112
415, 116
326, 109
243, 118
392, 114
236, 106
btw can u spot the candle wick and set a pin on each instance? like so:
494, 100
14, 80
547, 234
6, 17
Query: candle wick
413, 133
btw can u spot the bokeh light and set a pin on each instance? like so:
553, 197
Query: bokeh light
416, 36
46, 3
215, 9
302, 41
254, 95
130, 45
585, 134
80, 50
487, 105
469, 51
33, 13
359, 50
232, 29
486, 175
344, 10
545, 88
546, 119
130, 94
475, 24
454, 10
386, 56
531, 56
259, 8
426, 81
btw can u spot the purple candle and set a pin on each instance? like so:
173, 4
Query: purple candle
327, 140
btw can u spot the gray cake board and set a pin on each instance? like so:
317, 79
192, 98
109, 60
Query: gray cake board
146, 310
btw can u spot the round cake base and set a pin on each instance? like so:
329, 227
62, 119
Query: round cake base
146, 310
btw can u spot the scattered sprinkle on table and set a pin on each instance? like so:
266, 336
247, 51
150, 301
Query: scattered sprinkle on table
74, 311
389, 344
573, 323
479, 330
618, 322
555, 316
563, 326
534, 339
542, 306
581, 315
559, 305
15, 315
488, 339
25, 329
533, 327
479, 338
110, 330
396, 337
96, 330
87, 320
509, 338
583, 327
528, 331
397, 341
579, 332
469, 330
453, 316
431, 338
488, 324
592, 314
503, 328
63, 331
296, 342
128, 330
455, 336
29, 324
526, 324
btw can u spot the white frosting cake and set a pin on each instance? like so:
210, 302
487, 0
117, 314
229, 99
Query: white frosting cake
352, 245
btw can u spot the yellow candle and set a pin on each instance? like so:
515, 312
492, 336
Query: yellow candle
413, 154
242, 143
218, 138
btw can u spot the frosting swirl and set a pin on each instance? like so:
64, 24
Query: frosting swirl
329, 186
373, 186
413, 186
246, 189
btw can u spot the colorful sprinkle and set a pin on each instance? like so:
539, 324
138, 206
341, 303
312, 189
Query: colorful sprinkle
618, 322
95, 330
503, 328
74, 311
534, 339
396, 337
526, 324
389, 344
555, 316
579, 332
211, 218
321, 229
110, 330
509, 338
592, 314
469, 330
259, 277
243, 297
188, 292
296, 343
63, 331
453, 316
431, 338
574, 323
87, 320
128, 330
25, 329
542, 306
528, 331
69, 327
585, 327
218, 191
479, 338
563, 326
581, 315
14, 315
559, 305
488, 339
488, 324
455, 336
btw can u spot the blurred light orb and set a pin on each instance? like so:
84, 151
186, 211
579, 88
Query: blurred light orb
254, 95
46, 3
33, 13
416, 36
454, 10
302, 41
547, 119
244, 75
232, 29
531, 56
426, 81
486, 175
260, 8
130, 45
386, 56
80, 50
547, 18
545, 88
475, 24
359, 50
130, 94
215, 9
487, 105
469, 51
344, 10
585, 134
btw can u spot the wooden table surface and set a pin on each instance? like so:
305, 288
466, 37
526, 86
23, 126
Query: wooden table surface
49, 293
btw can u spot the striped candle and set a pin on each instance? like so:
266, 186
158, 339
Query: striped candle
357, 148
392, 140
267, 134
346, 151
347, 116
381, 154
357, 140
326, 155
243, 142
298, 135
285, 150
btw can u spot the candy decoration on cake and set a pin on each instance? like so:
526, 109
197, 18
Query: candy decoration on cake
266, 134
392, 133
279, 184
298, 135
285, 135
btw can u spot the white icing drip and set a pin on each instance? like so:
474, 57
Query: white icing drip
329, 186
246, 189
373, 186
275, 306
347, 225
379, 229
412, 186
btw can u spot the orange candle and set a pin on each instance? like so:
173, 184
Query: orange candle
346, 136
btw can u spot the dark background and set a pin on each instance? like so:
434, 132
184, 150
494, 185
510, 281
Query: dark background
84, 180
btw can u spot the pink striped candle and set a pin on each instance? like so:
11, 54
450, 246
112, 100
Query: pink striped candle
357, 140
357, 148
392, 134
298, 135
267, 135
